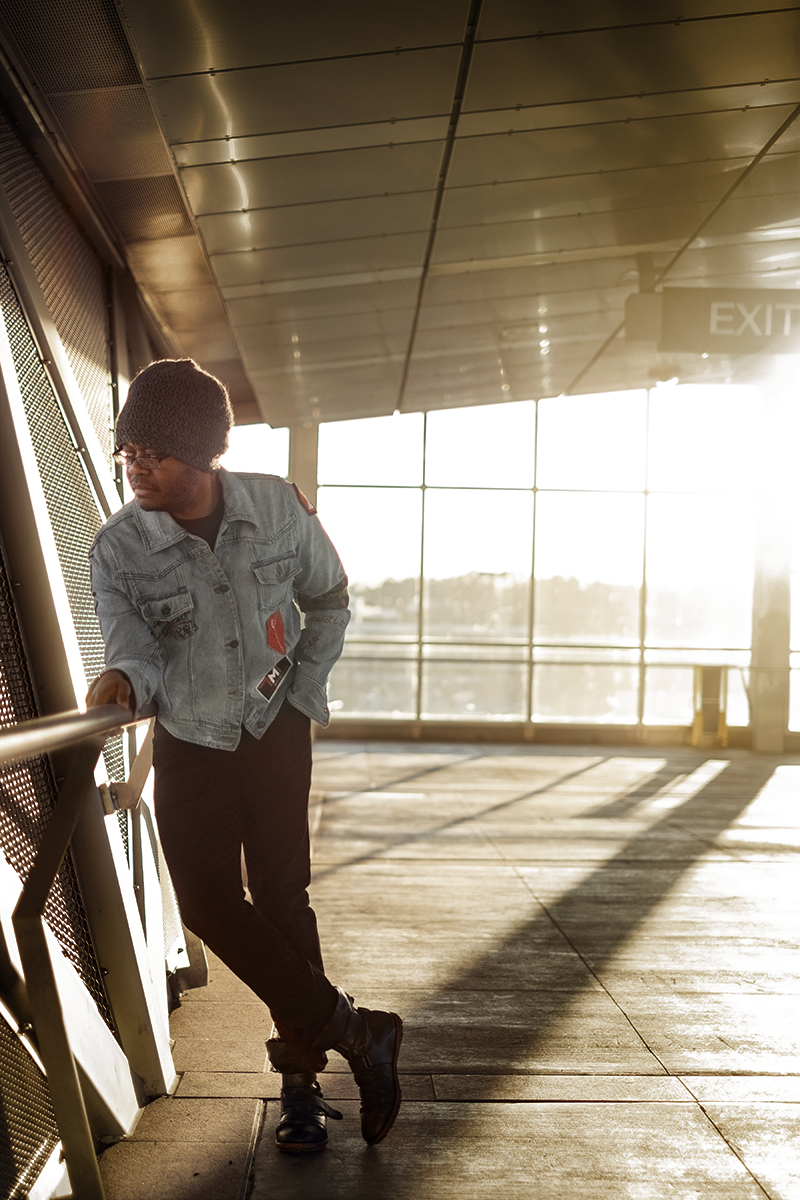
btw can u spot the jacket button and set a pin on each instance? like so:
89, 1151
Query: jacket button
165, 609
232, 645
223, 587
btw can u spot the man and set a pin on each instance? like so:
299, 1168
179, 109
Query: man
199, 583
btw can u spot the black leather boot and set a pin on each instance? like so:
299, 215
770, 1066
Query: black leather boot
370, 1042
303, 1124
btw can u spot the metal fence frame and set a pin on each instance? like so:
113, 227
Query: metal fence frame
87, 732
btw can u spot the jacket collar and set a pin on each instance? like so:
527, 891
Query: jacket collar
158, 530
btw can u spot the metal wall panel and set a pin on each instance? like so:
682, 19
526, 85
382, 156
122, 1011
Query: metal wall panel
71, 506
30, 1134
599, 150
309, 224
69, 273
146, 209
383, 87
193, 35
113, 132
343, 257
27, 798
92, 50
620, 62
521, 18
313, 178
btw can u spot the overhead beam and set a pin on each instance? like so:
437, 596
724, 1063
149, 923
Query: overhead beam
447, 154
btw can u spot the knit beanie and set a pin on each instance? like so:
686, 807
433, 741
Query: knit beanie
176, 407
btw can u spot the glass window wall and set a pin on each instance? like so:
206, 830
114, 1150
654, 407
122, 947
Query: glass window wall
463, 449
794, 635
589, 564
566, 560
378, 533
477, 565
699, 570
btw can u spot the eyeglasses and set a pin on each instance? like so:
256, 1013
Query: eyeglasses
150, 462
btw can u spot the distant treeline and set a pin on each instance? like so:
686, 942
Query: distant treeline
485, 605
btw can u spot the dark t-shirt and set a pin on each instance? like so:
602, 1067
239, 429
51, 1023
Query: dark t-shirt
206, 527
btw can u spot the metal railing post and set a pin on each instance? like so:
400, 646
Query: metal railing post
43, 994
87, 732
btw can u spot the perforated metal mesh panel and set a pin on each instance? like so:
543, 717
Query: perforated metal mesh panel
73, 513
93, 51
27, 797
132, 144
145, 210
69, 274
29, 1133
71, 507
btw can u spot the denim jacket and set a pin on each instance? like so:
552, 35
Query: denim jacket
216, 638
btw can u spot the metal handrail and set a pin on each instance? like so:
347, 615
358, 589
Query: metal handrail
42, 734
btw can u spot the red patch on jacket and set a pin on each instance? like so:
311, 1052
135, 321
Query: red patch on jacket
276, 634
306, 503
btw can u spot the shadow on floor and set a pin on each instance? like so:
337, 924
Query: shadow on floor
497, 1011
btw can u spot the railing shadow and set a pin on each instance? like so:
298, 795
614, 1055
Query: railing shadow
629, 885
407, 839
625, 888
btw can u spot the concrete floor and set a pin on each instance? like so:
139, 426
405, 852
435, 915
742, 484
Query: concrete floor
595, 953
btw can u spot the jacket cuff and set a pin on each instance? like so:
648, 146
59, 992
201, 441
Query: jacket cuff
309, 696
141, 693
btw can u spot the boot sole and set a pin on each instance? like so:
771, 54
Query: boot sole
300, 1148
393, 1115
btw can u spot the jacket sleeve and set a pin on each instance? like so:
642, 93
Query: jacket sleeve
129, 644
321, 595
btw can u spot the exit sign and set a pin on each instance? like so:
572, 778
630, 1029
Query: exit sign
730, 321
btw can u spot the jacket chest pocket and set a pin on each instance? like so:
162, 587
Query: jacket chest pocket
274, 581
170, 615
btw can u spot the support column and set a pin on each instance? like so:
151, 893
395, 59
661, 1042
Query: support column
769, 672
303, 443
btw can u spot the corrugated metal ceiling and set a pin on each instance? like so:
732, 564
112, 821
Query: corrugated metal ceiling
400, 203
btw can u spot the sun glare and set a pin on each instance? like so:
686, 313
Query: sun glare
593, 529
257, 448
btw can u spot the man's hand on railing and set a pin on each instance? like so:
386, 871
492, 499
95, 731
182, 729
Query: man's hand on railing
112, 687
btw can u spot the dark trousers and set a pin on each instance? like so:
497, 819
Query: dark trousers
211, 803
